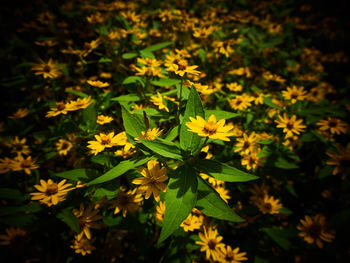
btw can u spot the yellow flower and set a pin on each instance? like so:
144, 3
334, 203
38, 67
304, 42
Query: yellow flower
181, 67
333, 125
160, 211
129, 201
51, 193
86, 219
294, 93
98, 83
223, 192
60, 109
78, 104
151, 67
203, 32
47, 70
158, 101
313, 229
232, 256
223, 47
63, 146
251, 160
150, 134
191, 223
104, 141
269, 205
20, 113
83, 246
211, 243
214, 182
240, 102
340, 160
152, 180
210, 128
19, 164
102, 119
235, 87
290, 125
11, 235
18, 146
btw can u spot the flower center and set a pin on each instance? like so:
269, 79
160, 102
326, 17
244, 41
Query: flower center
229, 257
60, 106
212, 244
267, 207
26, 164
210, 127
64, 145
51, 189
294, 96
105, 140
290, 125
246, 145
315, 230
18, 147
47, 69
332, 123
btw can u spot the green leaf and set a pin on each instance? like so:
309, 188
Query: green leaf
79, 174
78, 93
90, 116
279, 236
165, 82
180, 198
133, 79
164, 148
67, 216
285, 164
8, 193
120, 169
108, 191
147, 54
202, 54
133, 125
129, 97
190, 141
129, 55
211, 204
220, 114
285, 210
104, 60
172, 134
268, 102
223, 171
158, 46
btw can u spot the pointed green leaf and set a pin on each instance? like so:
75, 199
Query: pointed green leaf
223, 171
285, 164
132, 124
129, 55
211, 204
220, 114
165, 82
158, 46
79, 174
129, 97
69, 218
189, 140
120, 169
164, 148
180, 198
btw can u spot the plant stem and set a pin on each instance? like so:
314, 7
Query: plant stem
180, 104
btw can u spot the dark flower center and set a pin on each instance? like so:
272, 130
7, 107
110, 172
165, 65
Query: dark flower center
315, 230
212, 244
290, 125
51, 189
332, 123
26, 164
210, 127
47, 69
